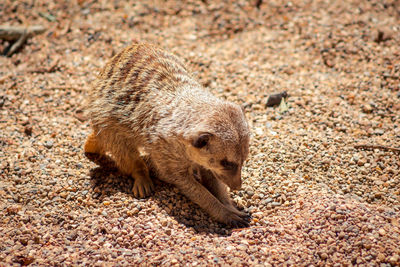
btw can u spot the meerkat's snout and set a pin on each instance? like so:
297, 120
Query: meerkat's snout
236, 183
232, 180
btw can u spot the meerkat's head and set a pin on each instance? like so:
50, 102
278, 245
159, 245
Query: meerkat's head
220, 143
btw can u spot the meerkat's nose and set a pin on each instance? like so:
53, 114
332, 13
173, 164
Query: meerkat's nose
237, 183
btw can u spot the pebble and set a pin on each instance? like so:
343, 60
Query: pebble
28, 130
242, 247
275, 99
394, 259
367, 108
381, 257
48, 144
276, 204
382, 232
250, 192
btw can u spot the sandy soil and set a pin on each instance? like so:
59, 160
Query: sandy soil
315, 196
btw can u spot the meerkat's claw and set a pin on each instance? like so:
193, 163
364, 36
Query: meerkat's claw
142, 188
236, 221
246, 216
243, 215
233, 209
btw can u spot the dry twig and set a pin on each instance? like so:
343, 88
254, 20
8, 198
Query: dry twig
19, 35
13, 33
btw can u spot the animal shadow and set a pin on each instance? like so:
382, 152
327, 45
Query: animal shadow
106, 180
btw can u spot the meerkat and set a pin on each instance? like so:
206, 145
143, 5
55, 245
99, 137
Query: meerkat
148, 112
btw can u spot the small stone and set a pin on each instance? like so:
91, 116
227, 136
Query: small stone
242, 247
382, 232
229, 248
341, 235
367, 246
394, 259
273, 133
367, 108
275, 204
383, 35
28, 130
275, 99
13, 209
259, 131
79, 114
268, 200
132, 212
250, 192
381, 257
48, 144
361, 162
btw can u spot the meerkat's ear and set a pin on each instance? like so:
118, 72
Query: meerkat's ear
201, 140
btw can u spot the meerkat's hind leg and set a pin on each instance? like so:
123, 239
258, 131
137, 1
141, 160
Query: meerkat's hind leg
129, 161
143, 185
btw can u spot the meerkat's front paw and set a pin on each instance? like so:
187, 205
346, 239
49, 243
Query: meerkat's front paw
242, 214
142, 187
235, 218
237, 221
229, 204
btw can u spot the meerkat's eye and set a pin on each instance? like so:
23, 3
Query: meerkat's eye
228, 165
202, 140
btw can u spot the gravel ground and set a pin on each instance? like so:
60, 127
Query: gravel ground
316, 199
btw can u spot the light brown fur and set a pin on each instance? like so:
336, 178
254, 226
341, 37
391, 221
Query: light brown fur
144, 101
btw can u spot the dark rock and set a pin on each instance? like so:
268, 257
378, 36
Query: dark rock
275, 99
48, 144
